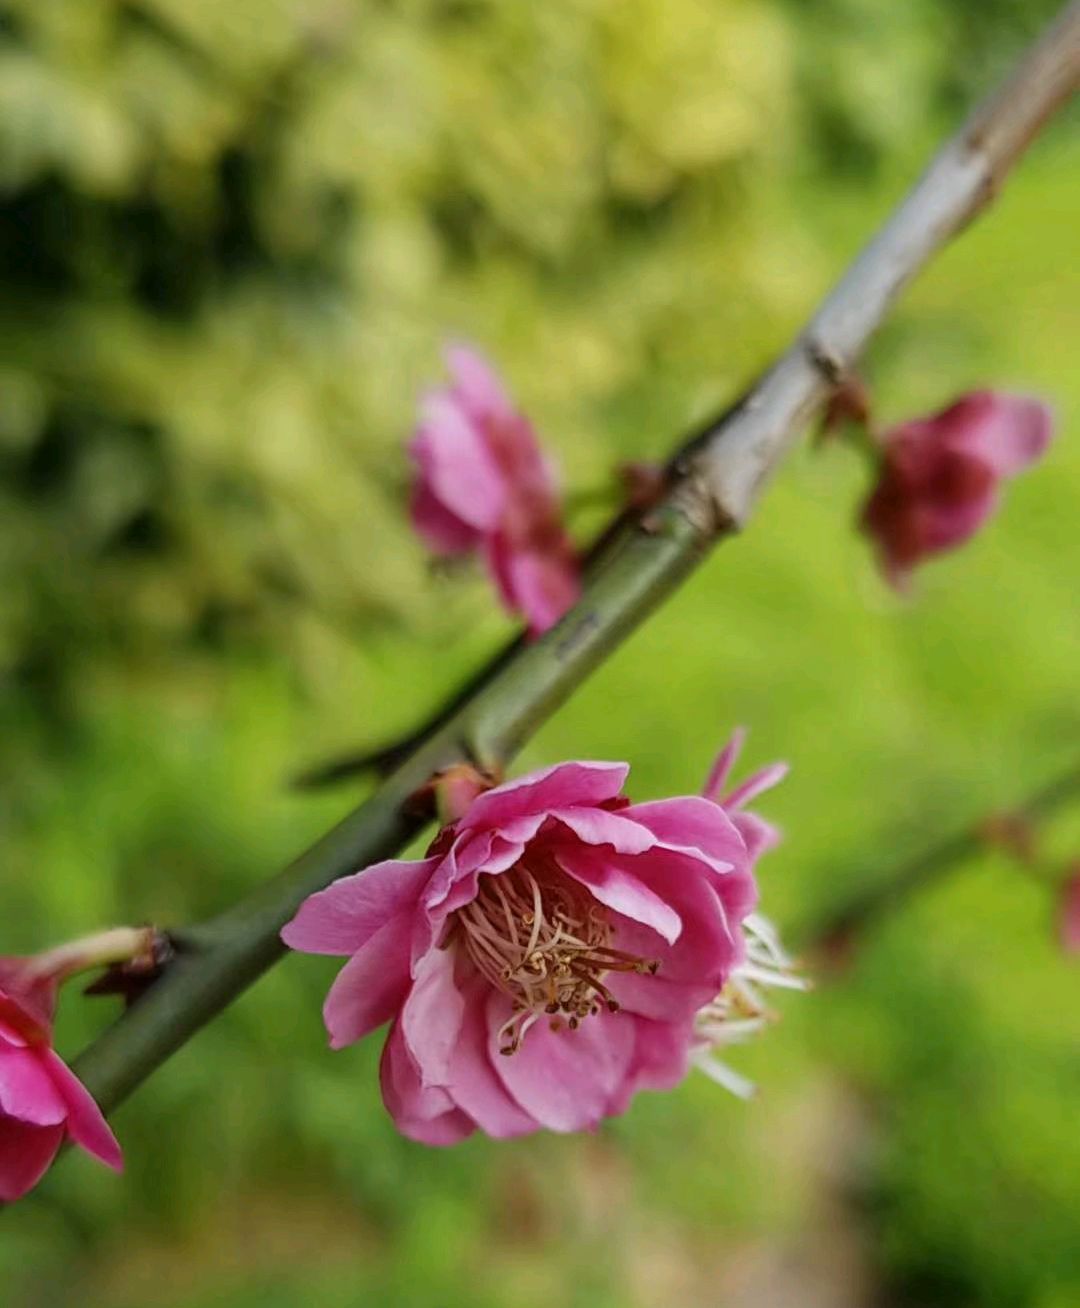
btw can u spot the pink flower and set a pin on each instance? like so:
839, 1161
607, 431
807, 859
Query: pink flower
1070, 912
41, 1100
484, 486
549, 956
939, 476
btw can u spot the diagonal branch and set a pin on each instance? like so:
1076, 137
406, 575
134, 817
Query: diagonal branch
840, 929
714, 482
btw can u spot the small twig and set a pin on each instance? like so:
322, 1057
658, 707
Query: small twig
841, 928
714, 484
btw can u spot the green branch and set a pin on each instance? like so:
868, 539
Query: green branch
714, 483
844, 926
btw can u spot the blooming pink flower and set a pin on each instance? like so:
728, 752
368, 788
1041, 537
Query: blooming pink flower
41, 1099
483, 485
1070, 912
940, 476
550, 955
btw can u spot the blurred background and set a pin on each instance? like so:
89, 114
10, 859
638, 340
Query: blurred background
232, 238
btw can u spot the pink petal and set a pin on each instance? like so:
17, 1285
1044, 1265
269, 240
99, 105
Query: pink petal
85, 1123
661, 1058
426, 1115
456, 464
693, 823
455, 883
566, 1080
609, 881
27, 1090
598, 826
1009, 432
756, 784
694, 969
758, 835
725, 761
443, 532
25, 1155
29, 1008
339, 919
474, 1084
542, 586
370, 988
432, 1017
477, 383
566, 784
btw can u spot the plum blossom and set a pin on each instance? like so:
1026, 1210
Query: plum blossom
483, 486
545, 961
42, 1102
940, 477
552, 954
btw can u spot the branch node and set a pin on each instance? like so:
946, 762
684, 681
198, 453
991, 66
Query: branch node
826, 360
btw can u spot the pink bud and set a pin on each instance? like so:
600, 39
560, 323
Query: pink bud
940, 476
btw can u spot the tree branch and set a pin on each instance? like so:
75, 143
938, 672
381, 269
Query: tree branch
715, 480
842, 927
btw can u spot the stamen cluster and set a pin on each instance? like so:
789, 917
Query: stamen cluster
539, 936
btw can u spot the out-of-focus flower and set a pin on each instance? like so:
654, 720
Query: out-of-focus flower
42, 1102
483, 485
1070, 911
940, 476
550, 956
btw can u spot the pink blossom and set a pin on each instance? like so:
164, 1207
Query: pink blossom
940, 476
483, 486
42, 1102
1070, 912
548, 958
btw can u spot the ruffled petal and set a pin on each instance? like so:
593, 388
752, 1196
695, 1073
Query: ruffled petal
661, 1058
339, 919
474, 1084
598, 826
427, 1115
692, 823
610, 882
576, 784
432, 1017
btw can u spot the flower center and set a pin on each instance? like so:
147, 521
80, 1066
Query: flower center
539, 936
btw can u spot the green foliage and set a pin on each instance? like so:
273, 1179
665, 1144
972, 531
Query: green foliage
232, 236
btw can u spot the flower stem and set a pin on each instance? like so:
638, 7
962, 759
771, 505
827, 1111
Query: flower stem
118, 945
